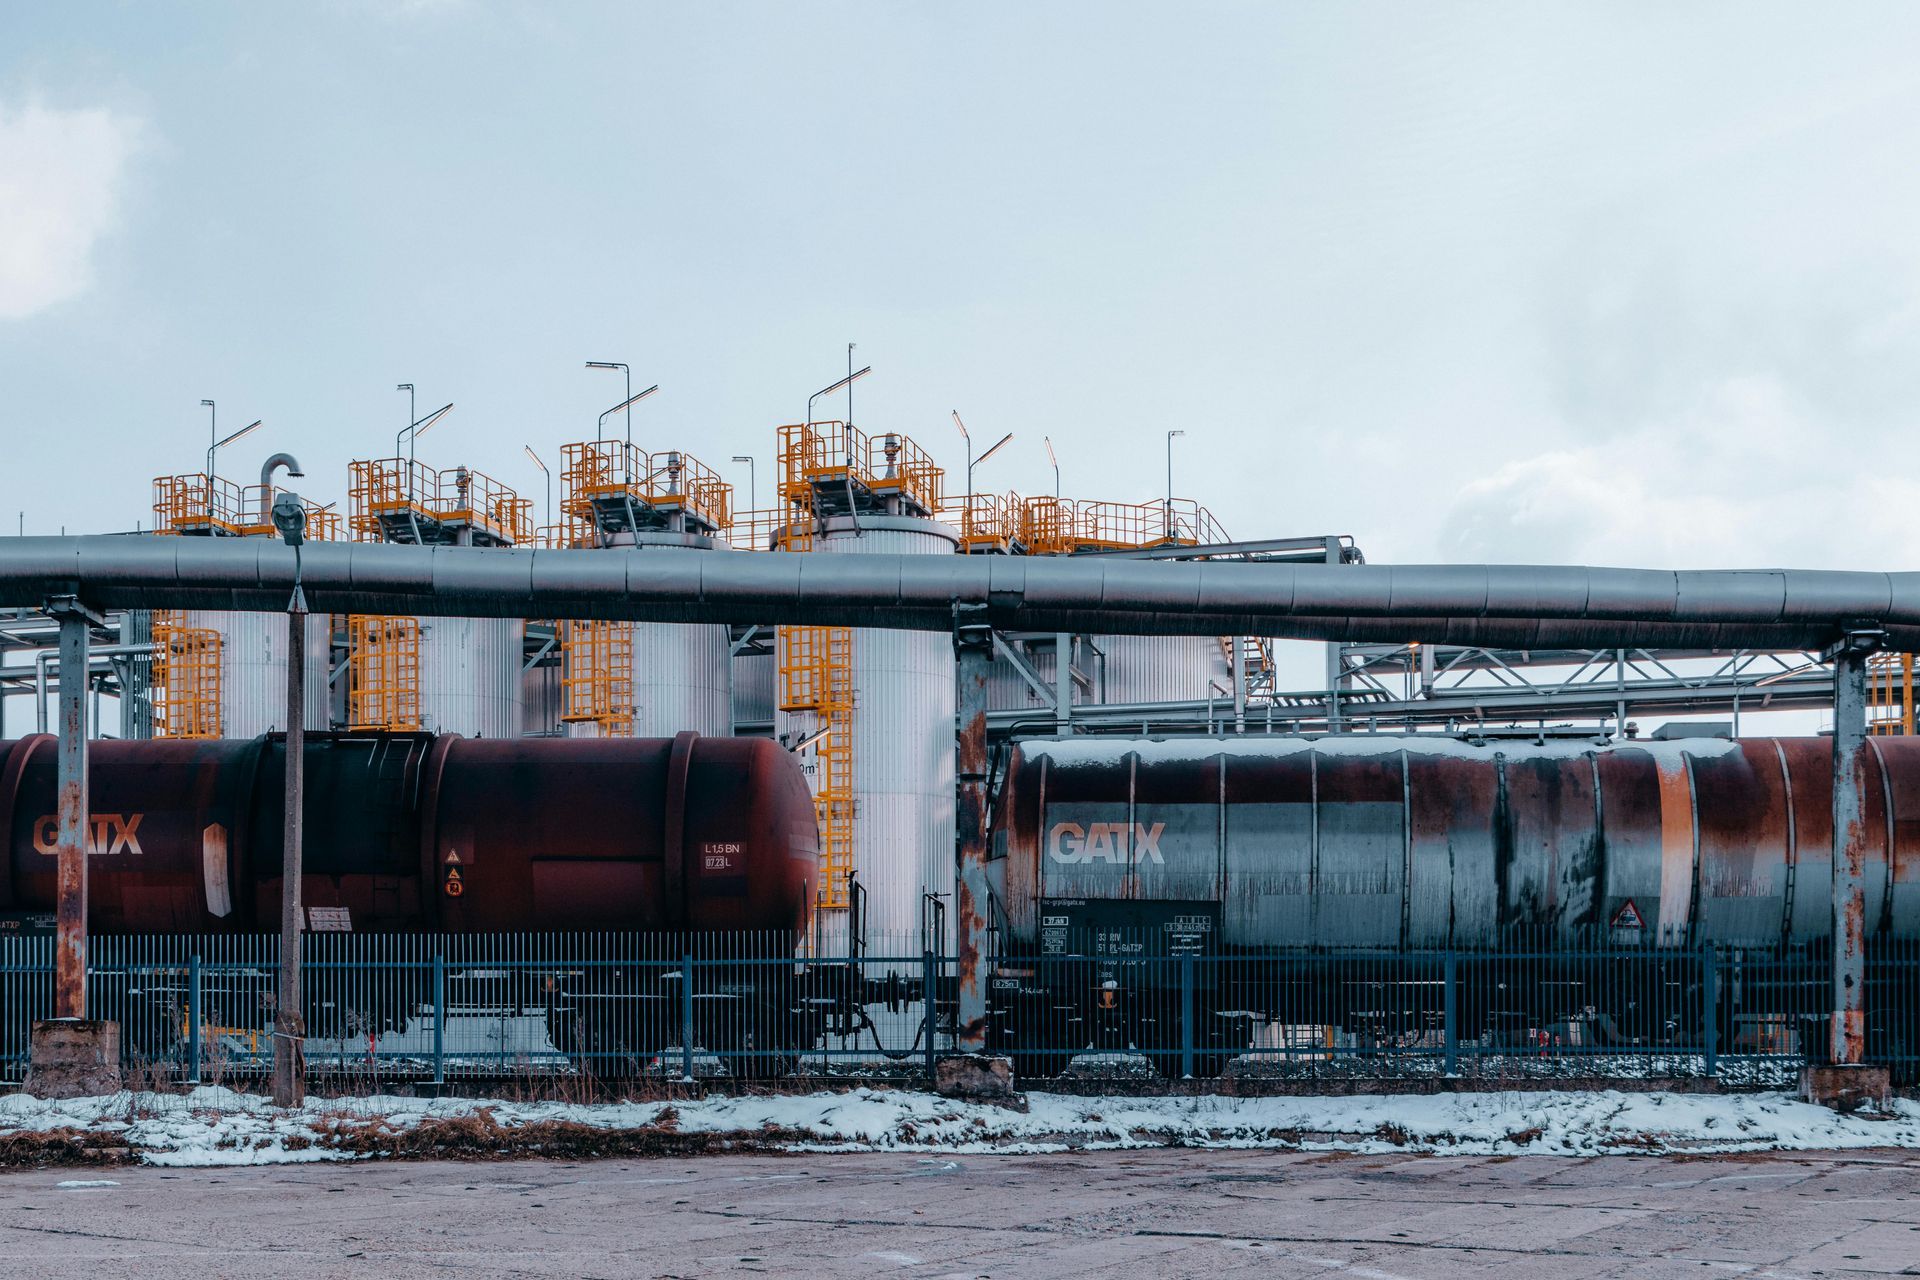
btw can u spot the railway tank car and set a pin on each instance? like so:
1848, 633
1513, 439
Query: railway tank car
685, 838
1360, 848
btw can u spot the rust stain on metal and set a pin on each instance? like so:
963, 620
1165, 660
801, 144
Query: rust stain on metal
973, 647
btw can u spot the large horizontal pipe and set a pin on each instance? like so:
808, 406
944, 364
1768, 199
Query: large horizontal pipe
1511, 606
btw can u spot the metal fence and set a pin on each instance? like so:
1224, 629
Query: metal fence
420, 1009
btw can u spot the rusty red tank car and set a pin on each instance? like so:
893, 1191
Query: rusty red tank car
416, 833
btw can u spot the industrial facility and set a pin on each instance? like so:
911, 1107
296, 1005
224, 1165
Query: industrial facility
1078, 789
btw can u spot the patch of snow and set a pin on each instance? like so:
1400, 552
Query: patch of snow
76, 1184
1067, 753
213, 1126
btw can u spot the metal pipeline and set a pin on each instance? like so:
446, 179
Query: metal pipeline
1507, 606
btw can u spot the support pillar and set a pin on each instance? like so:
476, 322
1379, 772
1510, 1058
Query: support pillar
1847, 1041
70, 843
973, 653
70, 1056
289, 1027
1848, 1080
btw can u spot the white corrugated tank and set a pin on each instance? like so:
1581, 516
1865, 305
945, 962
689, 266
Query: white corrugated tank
470, 676
753, 688
903, 748
681, 675
1158, 668
540, 701
253, 670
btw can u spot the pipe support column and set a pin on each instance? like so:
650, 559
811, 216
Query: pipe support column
1848, 1038
973, 654
70, 847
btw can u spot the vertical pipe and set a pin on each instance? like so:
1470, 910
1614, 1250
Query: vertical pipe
1452, 1014
289, 1082
1710, 1006
193, 1019
686, 1017
928, 987
70, 955
1239, 684
1063, 683
1848, 1032
973, 652
1186, 1015
439, 1013
1333, 657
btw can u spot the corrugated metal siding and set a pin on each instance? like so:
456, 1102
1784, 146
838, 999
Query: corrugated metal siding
253, 670
753, 681
1160, 668
470, 676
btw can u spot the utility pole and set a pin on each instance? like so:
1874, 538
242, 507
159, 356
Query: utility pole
289, 1029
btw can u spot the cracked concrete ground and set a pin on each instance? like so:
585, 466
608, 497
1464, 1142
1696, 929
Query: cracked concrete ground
1162, 1213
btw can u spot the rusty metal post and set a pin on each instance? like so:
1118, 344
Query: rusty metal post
1848, 1039
70, 952
973, 653
290, 1024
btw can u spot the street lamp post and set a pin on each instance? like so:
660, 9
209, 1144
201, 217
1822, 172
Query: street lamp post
549, 475
628, 375
1056, 467
289, 1032
415, 428
1170, 436
972, 461
753, 485
214, 444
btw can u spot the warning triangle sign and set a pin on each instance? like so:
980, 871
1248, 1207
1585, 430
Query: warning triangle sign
453, 857
1628, 917
452, 874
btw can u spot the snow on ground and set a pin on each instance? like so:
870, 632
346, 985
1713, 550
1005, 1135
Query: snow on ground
214, 1126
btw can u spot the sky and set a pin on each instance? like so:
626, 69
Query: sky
1614, 284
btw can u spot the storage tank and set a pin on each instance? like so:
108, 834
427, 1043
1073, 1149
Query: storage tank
753, 685
901, 745
253, 669
674, 676
1431, 842
440, 675
224, 674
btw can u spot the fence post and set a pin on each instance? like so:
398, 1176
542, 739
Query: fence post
1451, 1013
1710, 1005
927, 982
1186, 1015
439, 1016
686, 1018
193, 1019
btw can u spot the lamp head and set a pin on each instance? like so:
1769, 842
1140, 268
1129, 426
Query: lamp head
290, 518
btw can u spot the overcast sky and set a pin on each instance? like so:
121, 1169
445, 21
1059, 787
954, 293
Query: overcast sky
1604, 283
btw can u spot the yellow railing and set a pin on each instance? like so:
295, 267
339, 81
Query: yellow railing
596, 682
1890, 693
389, 494
195, 504
186, 678
1062, 526
594, 472
817, 455
383, 673
816, 679
987, 521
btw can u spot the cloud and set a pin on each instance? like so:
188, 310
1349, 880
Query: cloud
1746, 477
61, 174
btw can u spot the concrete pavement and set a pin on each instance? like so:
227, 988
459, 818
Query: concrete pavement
1161, 1213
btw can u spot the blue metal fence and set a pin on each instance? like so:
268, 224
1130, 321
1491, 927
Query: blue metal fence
426, 1009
